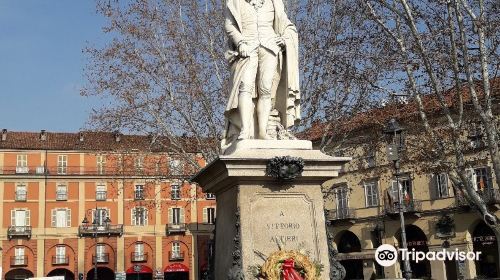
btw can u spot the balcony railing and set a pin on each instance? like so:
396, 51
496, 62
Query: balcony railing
412, 206
100, 230
100, 195
61, 196
176, 228
60, 259
210, 221
461, 201
19, 260
40, 170
490, 196
22, 170
139, 257
175, 256
342, 214
101, 258
19, 232
76, 170
21, 196
138, 195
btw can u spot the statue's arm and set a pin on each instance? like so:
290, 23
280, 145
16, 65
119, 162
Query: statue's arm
232, 31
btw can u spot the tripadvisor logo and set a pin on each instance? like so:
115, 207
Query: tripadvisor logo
387, 255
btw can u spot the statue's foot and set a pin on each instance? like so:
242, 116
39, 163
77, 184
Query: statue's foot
265, 137
243, 135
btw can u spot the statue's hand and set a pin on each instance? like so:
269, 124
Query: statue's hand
280, 41
244, 50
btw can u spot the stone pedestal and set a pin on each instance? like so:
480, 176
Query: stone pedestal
258, 214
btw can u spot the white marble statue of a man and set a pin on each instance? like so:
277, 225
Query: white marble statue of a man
264, 68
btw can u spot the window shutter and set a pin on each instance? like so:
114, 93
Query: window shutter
181, 215
489, 183
53, 215
205, 215
28, 220
444, 183
434, 186
170, 216
471, 175
68, 217
13, 217
367, 202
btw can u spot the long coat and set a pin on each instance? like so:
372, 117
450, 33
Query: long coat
286, 91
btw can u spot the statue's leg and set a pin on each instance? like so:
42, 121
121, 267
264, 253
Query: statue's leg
245, 103
268, 63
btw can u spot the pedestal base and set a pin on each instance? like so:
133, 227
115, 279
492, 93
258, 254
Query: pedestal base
258, 215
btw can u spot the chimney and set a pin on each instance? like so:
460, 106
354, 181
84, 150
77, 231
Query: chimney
81, 136
118, 136
4, 134
43, 135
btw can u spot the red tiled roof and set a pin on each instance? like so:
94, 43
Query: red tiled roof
92, 141
379, 117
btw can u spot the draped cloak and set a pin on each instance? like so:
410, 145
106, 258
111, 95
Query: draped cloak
285, 91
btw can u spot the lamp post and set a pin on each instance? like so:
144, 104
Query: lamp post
95, 225
393, 130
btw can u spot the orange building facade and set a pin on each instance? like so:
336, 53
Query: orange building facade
73, 204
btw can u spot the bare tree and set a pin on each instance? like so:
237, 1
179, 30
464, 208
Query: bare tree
164, 71
435, 46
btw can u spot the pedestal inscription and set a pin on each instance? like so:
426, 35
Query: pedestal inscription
287, 219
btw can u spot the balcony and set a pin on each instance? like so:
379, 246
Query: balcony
21, 196
100, 230
138, 195
60, 260
412, 206
490, 196
40, 170
100, 195
101, 258
19, 232
19, 260
139, 257
176, 228
61, 196
342, 214
175, 256
461, 201
22, 170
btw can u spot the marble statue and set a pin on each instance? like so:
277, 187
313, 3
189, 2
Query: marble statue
263, 55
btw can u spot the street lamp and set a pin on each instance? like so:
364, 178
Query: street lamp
95, 227
394, 130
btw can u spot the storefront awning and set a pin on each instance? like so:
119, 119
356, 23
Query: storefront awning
176, 267
139, 268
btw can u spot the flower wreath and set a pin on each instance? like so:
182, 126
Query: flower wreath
289, 265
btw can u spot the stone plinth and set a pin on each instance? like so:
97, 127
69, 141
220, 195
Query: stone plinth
269, 211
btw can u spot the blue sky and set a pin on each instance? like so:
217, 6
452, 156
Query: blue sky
41, 63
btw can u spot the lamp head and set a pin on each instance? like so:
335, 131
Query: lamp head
393, 127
